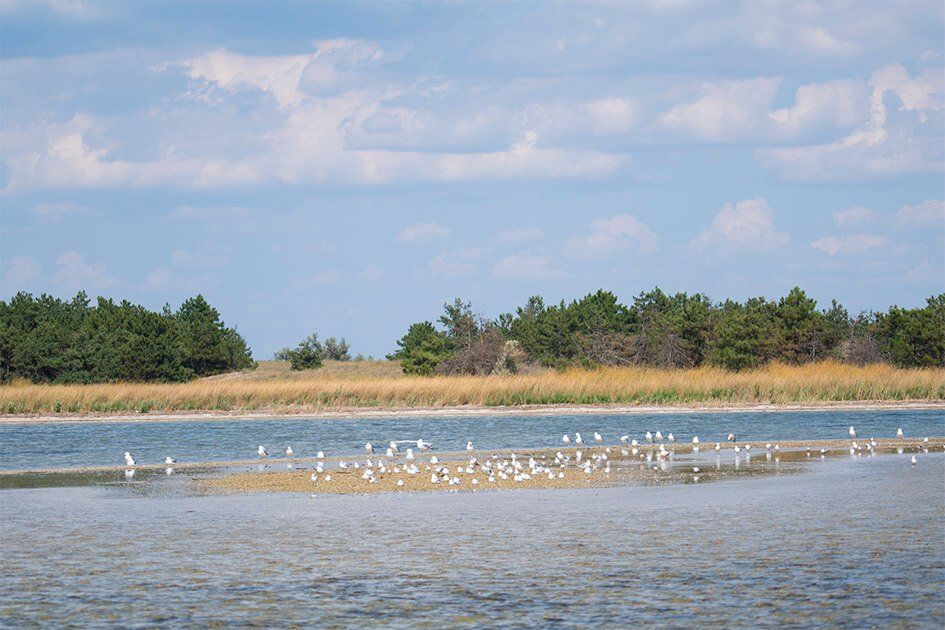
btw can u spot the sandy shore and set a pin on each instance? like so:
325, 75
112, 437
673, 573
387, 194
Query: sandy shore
625, 468
470, 410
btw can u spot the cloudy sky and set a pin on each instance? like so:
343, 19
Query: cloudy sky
347, 168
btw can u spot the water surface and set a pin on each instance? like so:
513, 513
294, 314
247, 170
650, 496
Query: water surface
844, 542
75, 444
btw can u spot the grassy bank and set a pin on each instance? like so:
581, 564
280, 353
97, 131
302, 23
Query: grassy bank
375, 387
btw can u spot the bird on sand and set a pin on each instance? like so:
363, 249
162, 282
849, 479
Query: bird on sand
566, 439
369, 448
320, 455
129, 460
899, 433
170, 460
469, 446
649, 437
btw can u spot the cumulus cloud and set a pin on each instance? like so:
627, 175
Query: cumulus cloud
925, 213
747, 225
853, 216
849, 243
611, 236
725, 110
525, 266
887, 143
423, 232
73, 273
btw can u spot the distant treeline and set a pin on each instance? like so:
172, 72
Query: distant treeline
671, 331
48, 340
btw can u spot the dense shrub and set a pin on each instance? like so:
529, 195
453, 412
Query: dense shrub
678, 331
48, 340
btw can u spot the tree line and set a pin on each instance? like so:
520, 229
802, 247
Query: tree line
671, 331
49, 340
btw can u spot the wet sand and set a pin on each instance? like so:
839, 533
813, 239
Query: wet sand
468, 410
625, 468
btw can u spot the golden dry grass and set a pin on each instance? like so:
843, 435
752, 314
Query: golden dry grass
778, 384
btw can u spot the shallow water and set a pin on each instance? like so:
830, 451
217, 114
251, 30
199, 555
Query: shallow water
67, 445
845, 541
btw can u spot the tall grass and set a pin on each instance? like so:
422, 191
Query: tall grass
820, 382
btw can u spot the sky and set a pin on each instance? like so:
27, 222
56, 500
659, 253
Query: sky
347, 168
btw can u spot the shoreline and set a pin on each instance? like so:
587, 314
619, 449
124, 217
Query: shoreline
468, 410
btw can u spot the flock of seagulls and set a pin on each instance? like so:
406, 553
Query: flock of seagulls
405, 462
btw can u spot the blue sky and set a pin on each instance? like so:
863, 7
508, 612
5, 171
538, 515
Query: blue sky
349, 167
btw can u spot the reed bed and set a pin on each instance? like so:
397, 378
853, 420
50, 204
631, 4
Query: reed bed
777, 384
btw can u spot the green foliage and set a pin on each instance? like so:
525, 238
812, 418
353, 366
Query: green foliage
421, 349
306, 356
679, 330
914, 337
336, 350
48, 340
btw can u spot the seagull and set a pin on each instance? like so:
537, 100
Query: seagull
731, 437
390, 452
671, 438
597, 437
718, 447
914, 461
289, 452
695, 439
469, 446
261, 451
393, 446
129, 460
852, 433
659, 436
768, 446
899, 433
167, 460
578, 439
369, 448
925, 440
409, 455
649, 437
624, 439
424, 446
566, 439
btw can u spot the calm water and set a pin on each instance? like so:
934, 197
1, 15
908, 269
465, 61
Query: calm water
65, 445
846, 541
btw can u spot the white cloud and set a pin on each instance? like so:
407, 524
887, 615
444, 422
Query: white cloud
853, 216
524, 266
423, 232
849, 243
612, 114
75, 274
519, 235
843, 103
725, 111
610, 236
746, 225
20, 273
883, 145
925, 213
